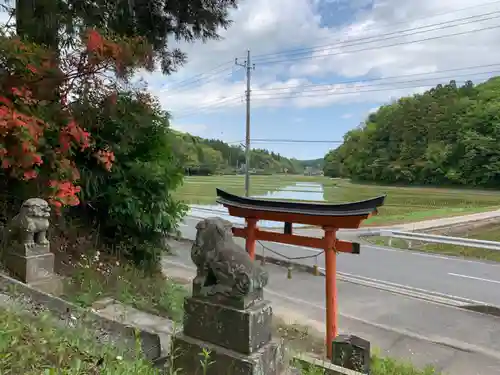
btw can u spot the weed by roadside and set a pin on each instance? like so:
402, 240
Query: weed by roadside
302, 339
93, 279
32, 345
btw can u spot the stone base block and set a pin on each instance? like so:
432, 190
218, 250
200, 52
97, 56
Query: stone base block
187, 354
29, 250
244, 331
240, 303
351, 352
51, 285
30, 269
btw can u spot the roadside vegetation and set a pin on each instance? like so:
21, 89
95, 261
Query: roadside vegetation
34, 345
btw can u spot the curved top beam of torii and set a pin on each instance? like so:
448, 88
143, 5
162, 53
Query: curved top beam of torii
342, 215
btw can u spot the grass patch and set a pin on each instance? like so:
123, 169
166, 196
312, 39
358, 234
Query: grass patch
403, 204
92, 279
489, 233
34, 346
302, 339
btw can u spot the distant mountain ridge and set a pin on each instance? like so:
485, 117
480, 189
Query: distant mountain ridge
210, 156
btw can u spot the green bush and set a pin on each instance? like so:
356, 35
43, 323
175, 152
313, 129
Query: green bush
132, 205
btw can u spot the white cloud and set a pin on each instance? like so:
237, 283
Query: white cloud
346, 116
268, 27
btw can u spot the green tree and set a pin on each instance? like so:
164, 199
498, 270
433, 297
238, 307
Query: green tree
132, 204
447, 135
159, 21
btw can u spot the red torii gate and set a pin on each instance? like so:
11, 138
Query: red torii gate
330, 217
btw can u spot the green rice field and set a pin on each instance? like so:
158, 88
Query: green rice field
403, 204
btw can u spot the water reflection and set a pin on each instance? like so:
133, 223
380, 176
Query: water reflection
306, 191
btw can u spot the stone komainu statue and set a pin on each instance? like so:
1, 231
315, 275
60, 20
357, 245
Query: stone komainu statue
30, 225
223, 267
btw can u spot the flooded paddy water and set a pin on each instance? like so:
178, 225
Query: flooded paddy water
299, 191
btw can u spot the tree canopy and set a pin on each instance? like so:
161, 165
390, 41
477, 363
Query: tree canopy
160, 22
209, 156
447, 135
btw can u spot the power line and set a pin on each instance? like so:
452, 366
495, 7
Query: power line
391, 35
381, 78
401, 22
224, 73
323, 94
261, 95
212, 73
210, 106
315, 49
263, 140
332, 86
384, 46
197, 77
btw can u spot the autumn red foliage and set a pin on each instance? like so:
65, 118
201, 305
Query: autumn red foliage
39, 136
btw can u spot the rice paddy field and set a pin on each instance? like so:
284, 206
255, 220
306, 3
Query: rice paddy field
403, 204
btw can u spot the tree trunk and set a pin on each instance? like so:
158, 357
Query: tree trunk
38, 21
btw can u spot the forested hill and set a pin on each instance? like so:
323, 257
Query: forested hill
448, 135
209, 156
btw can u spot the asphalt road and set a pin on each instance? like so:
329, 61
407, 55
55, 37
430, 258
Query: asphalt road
453, 277
456, 341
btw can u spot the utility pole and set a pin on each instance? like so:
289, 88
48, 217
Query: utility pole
249, 67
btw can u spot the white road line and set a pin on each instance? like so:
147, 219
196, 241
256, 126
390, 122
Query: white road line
474, 278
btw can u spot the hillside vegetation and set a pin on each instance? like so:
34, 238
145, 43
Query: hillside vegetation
446, 136
200, 156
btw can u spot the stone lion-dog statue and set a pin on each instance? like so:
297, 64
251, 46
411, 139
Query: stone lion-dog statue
30, 225
223, 267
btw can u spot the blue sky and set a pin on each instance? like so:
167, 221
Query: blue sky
285, 106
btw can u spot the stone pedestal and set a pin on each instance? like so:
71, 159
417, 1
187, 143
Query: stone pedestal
239, 339
34, 265
351, 352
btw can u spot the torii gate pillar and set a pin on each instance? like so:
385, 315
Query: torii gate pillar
330, 217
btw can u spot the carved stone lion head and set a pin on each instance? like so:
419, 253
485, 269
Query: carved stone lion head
36, 208
211, 231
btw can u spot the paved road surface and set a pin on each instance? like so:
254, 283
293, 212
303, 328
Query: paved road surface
478, 281
457, 341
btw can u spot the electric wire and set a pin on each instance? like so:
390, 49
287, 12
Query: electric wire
212, 73
197, 77
381, 47
388, 36
223, 74
319, 88
354, 92
404, 22
354, 89
380, 78
222, 103
323, 89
